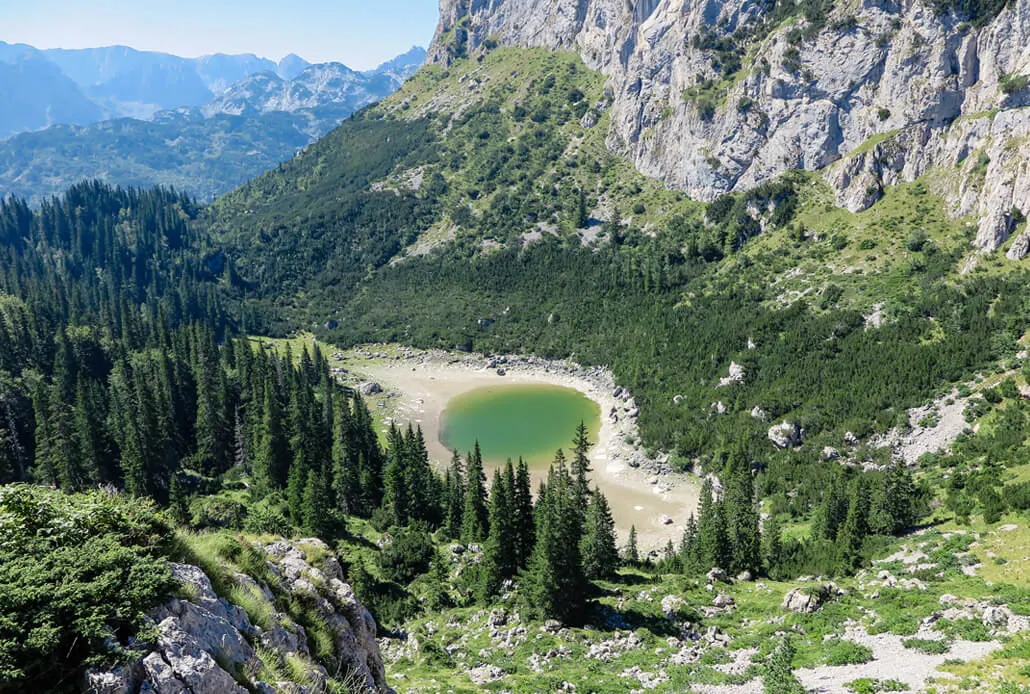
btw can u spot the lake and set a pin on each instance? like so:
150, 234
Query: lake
531, 421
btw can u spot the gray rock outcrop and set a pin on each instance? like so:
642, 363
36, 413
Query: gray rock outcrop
785, 435
884, 92
207, 645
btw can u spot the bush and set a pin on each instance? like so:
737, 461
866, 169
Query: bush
409, 555
928, 646
74, 571
848, 653
1010, 84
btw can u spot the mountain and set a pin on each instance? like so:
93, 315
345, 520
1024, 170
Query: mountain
291, 66
36, 94
316, 86
404, 65
255, 124
724, 96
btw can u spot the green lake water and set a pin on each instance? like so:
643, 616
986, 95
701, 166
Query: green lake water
531, 421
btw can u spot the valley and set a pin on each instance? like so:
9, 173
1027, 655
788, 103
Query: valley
758, 270
420, 387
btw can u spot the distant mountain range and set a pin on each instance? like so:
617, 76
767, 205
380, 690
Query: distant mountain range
133, 117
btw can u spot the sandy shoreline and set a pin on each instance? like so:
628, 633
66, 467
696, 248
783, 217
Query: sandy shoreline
418, 385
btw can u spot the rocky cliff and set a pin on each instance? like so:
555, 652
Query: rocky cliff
207, 645
712, 96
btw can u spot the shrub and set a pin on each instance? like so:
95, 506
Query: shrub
1010, 84
74, 571
848, 653
408, 555
929, 646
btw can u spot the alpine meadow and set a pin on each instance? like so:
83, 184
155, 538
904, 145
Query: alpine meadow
619, 346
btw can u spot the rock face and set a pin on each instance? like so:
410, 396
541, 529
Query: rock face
207, 645
885, 91
785, 435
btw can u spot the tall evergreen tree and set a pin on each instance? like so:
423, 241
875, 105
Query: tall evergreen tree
525, 524
475, 520
499, 560
581, 465
631, 553
743, 521
855, 528
600, 554
554, 585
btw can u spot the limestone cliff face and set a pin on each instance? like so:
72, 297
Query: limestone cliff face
934, 92
207, 645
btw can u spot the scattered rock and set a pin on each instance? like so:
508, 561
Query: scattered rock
723, 601
485, 674
736, 375
786, 435
370, 388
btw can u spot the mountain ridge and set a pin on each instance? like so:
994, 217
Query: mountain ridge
722, 97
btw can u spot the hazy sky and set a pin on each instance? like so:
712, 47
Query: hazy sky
359, 33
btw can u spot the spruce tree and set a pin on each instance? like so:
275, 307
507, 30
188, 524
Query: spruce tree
396, 495
600, 554
475, 516
690, 561
855, 528
743, 520
581, 465
296, 487
525, 524
454, 485
630, 552
554, 586
893, 507
272, 463
772, 546
499, 561
779, 673
714, 549
317, 507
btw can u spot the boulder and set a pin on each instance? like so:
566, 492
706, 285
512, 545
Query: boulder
807, 601
786, 435
723, 601
996, 617
370, 388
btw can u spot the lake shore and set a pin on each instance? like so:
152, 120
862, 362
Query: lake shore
417, 385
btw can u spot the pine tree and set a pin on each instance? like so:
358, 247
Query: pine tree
454, 486
772, 545
630, 552
743, 521
855, 528
554, 585
525, 524
600, 554
271, 465
499, 560
475, 516
581, 465
317, 507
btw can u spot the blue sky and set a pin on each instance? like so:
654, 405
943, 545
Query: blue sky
359, 33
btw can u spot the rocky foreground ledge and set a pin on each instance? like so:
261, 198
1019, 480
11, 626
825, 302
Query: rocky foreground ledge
208, 645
